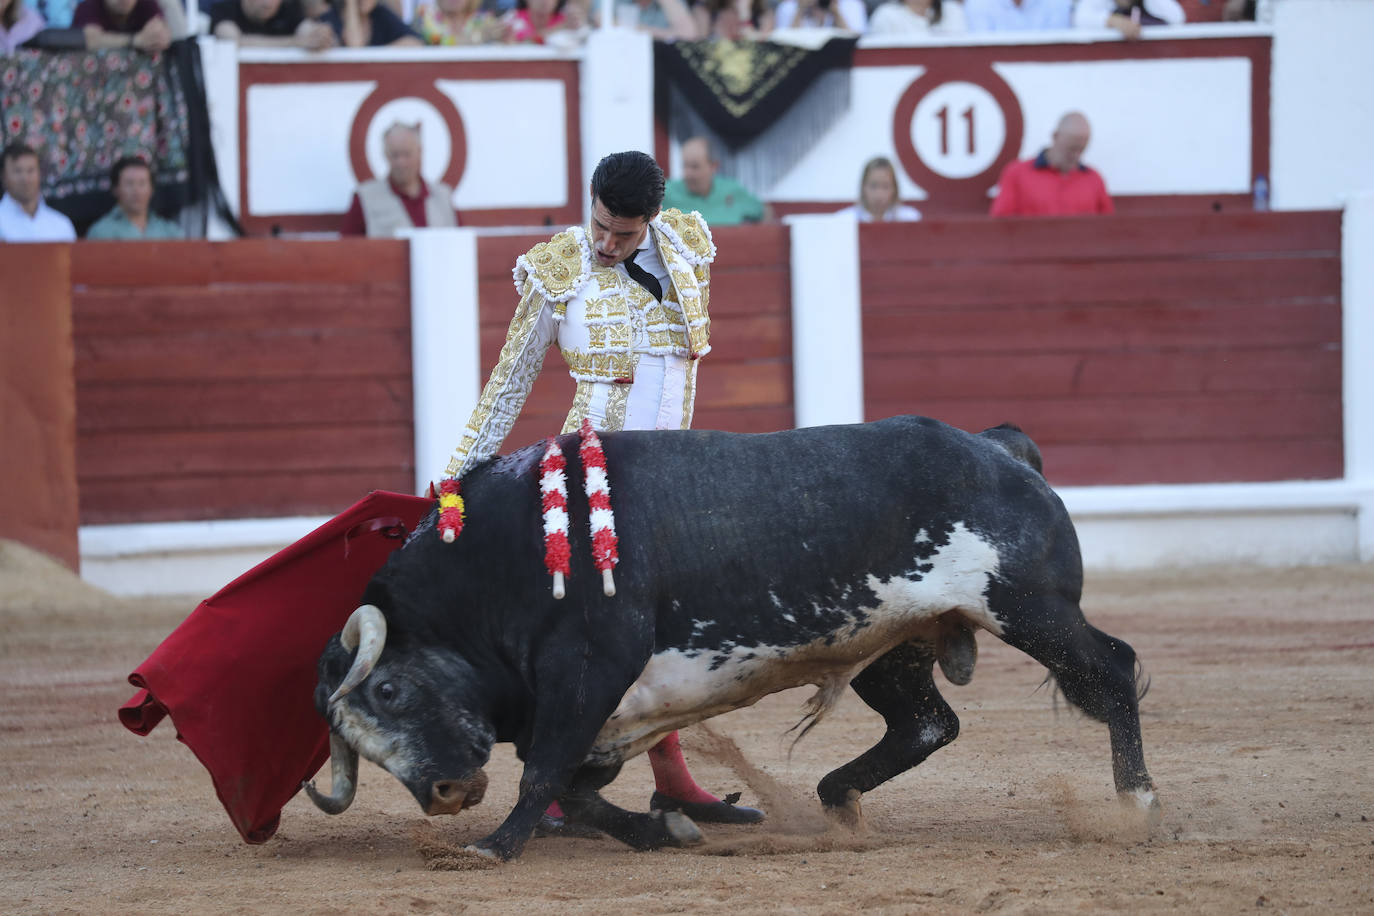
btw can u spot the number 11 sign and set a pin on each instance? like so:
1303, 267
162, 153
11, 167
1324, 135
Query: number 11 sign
954, 132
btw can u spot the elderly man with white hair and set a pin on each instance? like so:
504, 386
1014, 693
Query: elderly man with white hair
403, 199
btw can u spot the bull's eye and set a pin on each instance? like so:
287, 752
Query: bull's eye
386, 691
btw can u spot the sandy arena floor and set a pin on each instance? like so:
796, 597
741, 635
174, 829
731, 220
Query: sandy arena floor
1259, 732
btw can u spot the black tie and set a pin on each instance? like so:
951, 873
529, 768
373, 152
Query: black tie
643, 277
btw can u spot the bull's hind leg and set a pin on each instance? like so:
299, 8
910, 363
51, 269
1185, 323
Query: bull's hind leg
1097, 674
583, 804
901, 688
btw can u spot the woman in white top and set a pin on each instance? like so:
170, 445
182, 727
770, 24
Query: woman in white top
878, 196
918, 17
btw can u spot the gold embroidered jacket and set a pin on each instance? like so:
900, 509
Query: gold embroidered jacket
604, 324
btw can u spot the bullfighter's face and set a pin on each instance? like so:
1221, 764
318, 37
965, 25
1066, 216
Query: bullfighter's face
409, 716
614, 237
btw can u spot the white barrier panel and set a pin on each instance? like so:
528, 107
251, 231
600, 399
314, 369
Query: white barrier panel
498, 125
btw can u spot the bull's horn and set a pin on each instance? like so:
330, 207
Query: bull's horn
343, 779
365, 630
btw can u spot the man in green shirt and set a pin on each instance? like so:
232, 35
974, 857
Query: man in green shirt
131, 182
722, 201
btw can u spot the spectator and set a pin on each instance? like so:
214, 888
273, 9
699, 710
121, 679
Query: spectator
878, 201
368, 24
122, 24
269, 24
1126, 16
1056, 182
18, 23
734, 20
404, 199
131, 218
1016, 15
57, 14
918, 17
534, 20
1239, 11
24, 217
665, 20
456, 22
850, 15
721, 201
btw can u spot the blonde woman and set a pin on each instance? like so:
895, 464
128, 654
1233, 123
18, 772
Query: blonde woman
878, 196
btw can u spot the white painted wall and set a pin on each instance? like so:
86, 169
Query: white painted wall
827, 328
515, 132
617, 98
1149, 119
1357, 336
220, 65
446, 368
1322, 102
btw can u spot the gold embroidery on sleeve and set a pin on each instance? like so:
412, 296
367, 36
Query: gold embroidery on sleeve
521, 358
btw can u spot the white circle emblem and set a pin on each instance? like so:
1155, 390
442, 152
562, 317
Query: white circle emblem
958, 130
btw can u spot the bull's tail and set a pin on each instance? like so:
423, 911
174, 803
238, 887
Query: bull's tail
1017, 444
821, 702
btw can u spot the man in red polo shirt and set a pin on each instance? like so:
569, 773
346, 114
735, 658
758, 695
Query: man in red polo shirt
1056, 182
403, 199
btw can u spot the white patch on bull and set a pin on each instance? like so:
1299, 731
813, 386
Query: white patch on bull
932, 734
390, 752
678, 688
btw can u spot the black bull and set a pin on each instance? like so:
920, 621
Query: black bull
848, 555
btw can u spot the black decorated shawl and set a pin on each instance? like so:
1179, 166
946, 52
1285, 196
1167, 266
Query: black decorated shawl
740, 88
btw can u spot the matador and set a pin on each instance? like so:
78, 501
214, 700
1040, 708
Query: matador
627, 300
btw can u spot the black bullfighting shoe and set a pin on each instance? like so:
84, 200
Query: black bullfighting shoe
724, 811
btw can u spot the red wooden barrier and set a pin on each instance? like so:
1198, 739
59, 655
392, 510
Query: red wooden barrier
38, 496
1133, 349
230, 380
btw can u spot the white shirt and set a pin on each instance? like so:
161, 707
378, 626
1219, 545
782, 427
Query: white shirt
46, 224
897, 213
1006, 16
896, 18
855, 13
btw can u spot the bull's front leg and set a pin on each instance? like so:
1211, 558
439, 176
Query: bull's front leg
575, 695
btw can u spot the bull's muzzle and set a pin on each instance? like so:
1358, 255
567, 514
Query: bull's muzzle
449, 796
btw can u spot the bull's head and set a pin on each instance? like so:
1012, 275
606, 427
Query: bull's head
409, 710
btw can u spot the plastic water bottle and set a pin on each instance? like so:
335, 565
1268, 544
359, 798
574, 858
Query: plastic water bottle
1261, 193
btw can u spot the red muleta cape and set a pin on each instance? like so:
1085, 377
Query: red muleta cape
238, 675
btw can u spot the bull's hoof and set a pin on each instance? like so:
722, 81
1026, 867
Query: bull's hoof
681, 829
850, 813
483, 852
1145, 802
721, 812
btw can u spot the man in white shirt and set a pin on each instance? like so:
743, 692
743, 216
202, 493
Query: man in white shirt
23, 215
